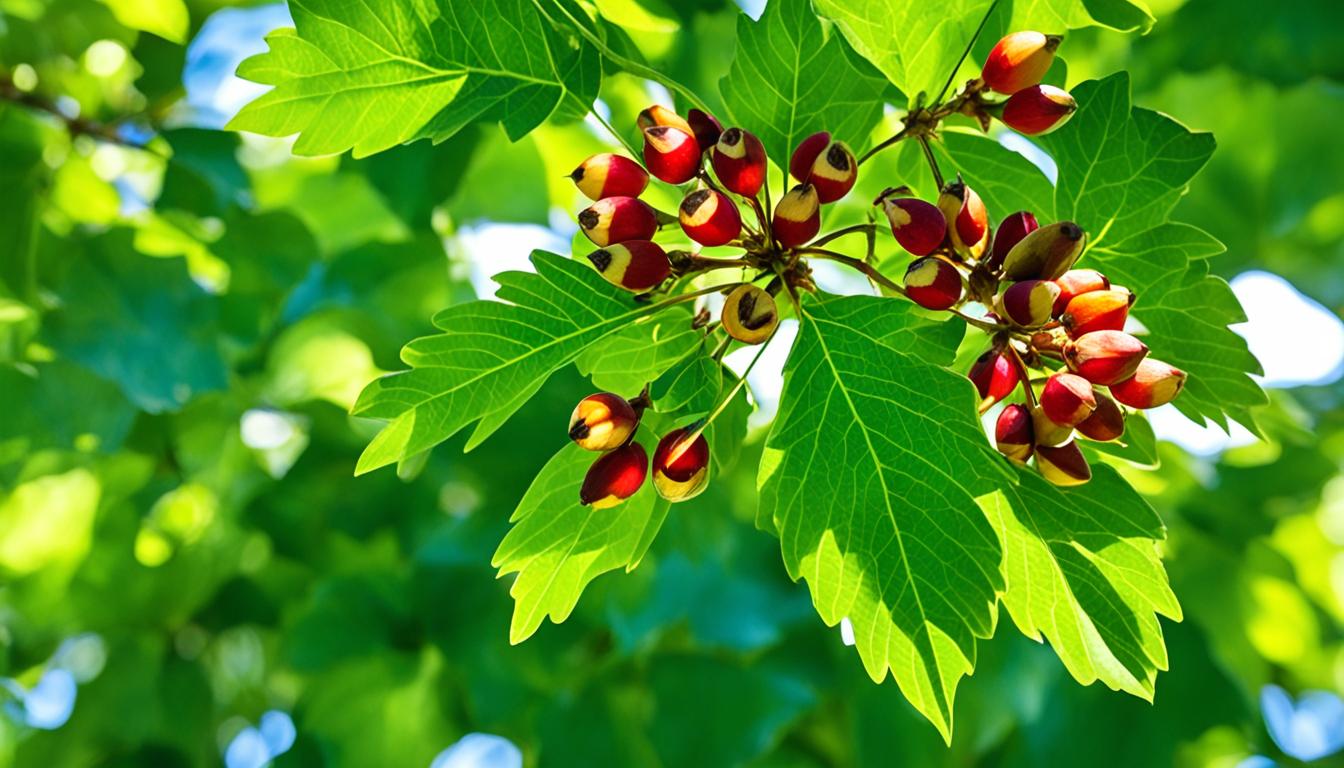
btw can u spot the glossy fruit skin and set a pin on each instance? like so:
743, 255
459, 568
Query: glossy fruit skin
610, 175
635, 265
1028, 303
602, 421
932, 283
967, 220
739, 162
750, 314
672, 155
1076, 282
705, 128
710, 217
680, 470
1097, 311
797, 218
1019, 60
1067, 399
1154, 383
657, 115
1013, 433
1011, 230
1045, 253
1038, 110
617, 220
615, 477
1063, 465
1106, 423
995, 377
833, 172
1048, 431
1105, 357
918, 225
806, 153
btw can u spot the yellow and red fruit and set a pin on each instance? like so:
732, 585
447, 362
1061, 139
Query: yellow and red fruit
1013, 433
916, 224
739, 162
705, 128
1038, 109
1097, 311
1028, 303
681, 465
995, 377
1010, 232
1076, 282
602, 421
1063, 465
1045, 253
710, 217
1047, 430
1105, 357
635, 265
933, 283
1019, 60
750, 314
797, 216
671, 154
967, 220
1106, 423
657, 114
826, 164
617, 220
609, 175
1154, 383
615, 477
1067, 399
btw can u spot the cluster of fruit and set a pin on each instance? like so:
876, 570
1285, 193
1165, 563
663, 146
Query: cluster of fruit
607, 422
1015, 68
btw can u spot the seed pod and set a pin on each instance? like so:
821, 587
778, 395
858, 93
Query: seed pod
1154, 383
1013, 434
1076, 282
916, 224
1028, 303
602, 422
1047, 430
995, 377
615, 477
656, 115
607, 175
710, 217
749, 314
1010, 232
739, 162
1067, 399
635, 265
932, 283
806, 153
618, 219
967, 221
671, 154
681, 467
1064, 465
1106, 423
833, 172
1019, 60
705, 128
1046, 253
797, 216
1105, 357
1038, 110
1097, 311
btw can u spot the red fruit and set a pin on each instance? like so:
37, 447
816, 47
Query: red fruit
932, 283
1010, 232
1076, 282
1013, 433
1097, 311
1064, 465
1105, 357
1019, 60
1047, 430
1067, 399
680, 466
705, 128
1038, 110
1154, 383
967, 221
995, 377
635, 265
657, 115
833, 172
916, 224
1106, 423
615, 477
806, 153
710, 218
797, 216
739, 162
602, 422
1028, 303
618, 219
671, 154
608, 175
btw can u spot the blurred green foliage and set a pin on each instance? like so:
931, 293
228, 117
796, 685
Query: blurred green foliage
184, 328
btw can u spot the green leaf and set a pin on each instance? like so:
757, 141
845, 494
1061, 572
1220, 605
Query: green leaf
870, 478
1082, 570
792, 77
1137, 445
1187, 312
557, 545
1121, 168
640, 352
492, 357
1005, 180
692, 385
370, 76
166, 18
